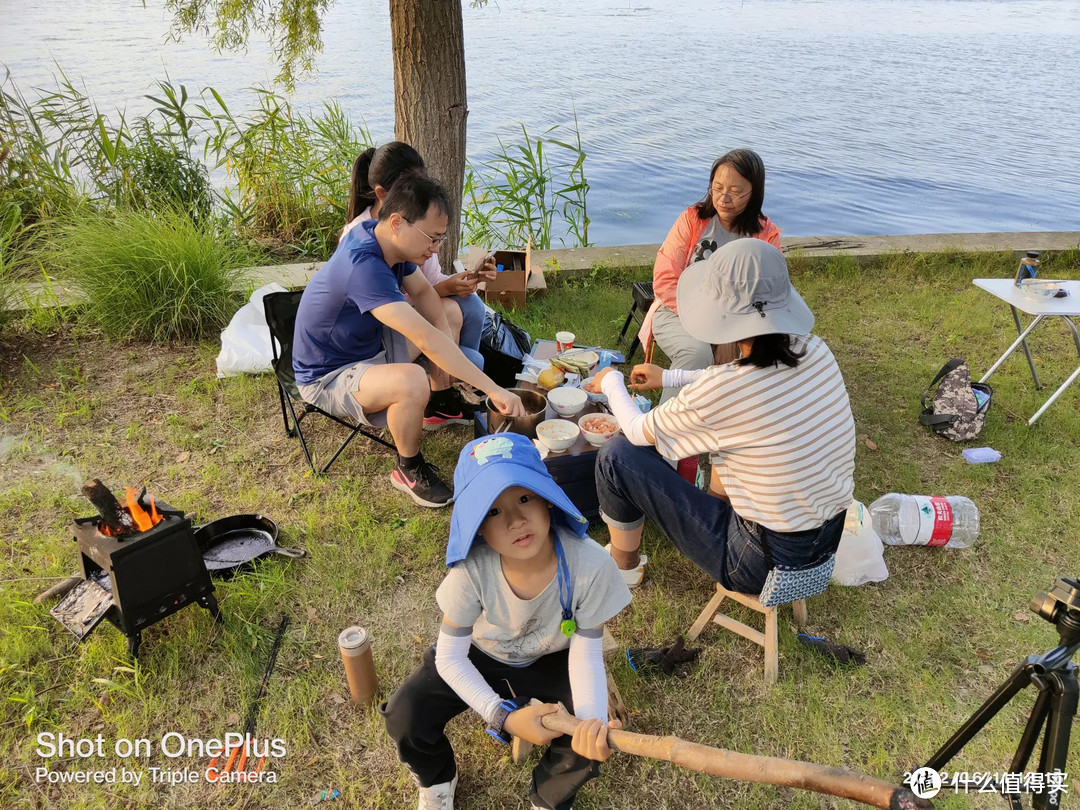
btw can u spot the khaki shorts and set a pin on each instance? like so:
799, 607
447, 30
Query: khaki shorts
333, 392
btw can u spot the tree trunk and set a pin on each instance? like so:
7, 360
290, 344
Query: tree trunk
429, 96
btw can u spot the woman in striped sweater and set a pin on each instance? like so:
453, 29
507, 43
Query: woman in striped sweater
776, 422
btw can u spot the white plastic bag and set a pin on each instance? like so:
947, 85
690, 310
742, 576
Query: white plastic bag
860, 557
245, 342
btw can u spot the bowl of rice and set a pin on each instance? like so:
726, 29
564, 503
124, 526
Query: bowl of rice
557, 435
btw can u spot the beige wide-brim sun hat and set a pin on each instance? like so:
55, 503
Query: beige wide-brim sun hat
743, 290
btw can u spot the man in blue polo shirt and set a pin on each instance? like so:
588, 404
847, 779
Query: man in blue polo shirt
351, 348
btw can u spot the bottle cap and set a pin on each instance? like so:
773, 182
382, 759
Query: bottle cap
352, 638
1033, 254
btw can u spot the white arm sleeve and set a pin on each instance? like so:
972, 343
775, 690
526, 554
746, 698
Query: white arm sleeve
588, 679
678, 377
628, 415
461, 675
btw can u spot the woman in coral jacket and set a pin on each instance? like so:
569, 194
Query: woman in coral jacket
730, 210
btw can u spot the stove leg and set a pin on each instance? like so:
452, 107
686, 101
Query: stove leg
210, 603
133, 644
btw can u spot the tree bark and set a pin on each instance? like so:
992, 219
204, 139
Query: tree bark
430, 107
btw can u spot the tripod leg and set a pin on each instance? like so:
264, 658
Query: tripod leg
1020, 678
1034, 726
1055, 753
1031, 735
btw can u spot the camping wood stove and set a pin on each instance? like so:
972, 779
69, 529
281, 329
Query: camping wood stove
151, 574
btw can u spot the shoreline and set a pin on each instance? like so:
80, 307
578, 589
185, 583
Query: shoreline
576, 260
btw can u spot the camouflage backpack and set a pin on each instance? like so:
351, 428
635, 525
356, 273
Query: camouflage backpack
957, 410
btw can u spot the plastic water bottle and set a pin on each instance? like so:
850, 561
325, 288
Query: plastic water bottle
921, 520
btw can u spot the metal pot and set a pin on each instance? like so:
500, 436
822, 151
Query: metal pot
535, 410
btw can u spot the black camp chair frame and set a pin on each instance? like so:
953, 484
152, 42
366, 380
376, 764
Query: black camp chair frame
280, 311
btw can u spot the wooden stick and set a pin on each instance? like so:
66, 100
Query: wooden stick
752, 768
112, 514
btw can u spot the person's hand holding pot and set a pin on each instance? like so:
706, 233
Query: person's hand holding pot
508, 403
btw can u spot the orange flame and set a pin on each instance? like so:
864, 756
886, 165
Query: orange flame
143, 521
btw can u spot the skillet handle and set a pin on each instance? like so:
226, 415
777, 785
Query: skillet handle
294, 553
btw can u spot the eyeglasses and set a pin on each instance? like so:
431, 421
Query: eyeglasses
435, 240
734, 196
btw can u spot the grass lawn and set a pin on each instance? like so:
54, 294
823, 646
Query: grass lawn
945, 629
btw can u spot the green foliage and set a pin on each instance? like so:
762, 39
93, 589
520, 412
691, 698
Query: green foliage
157, 276
10, 224
293, 29
154, 172
518, 196
287, 172
56, 149
291, 171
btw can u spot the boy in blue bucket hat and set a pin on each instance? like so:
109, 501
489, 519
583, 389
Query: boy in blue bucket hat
524, 606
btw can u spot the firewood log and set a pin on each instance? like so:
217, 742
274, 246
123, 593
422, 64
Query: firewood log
114, 516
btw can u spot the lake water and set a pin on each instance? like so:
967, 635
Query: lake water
872, 116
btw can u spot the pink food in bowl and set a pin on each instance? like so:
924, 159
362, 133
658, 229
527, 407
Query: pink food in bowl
598, 428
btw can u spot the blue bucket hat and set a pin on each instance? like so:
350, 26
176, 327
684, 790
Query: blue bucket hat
485, 469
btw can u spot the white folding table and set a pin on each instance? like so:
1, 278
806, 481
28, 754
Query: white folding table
1040, 308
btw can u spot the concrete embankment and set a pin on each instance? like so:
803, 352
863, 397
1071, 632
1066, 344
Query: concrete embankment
574, 260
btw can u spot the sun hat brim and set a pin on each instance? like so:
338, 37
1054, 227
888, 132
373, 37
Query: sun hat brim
704, 316
474, 500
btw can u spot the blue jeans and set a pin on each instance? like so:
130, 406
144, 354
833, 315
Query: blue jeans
633, 483
472, 321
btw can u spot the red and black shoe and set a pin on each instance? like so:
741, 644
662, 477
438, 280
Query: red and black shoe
422, 484
448, 408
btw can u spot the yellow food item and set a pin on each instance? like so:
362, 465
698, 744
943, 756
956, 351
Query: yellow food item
550, 377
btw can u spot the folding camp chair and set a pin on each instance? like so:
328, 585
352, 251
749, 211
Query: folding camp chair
280, 310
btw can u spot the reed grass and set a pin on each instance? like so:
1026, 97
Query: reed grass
10, 223
155, 276
281, 174
529, 192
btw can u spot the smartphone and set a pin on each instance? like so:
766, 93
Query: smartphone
475, 274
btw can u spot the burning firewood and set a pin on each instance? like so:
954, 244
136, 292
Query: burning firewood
113, 515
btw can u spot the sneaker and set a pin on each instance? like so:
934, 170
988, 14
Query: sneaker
447, 408
438, 797
632, 576
422, 484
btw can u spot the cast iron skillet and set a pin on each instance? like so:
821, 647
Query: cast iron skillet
231, 543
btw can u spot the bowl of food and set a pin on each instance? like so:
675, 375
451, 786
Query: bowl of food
598, 398
557, 435
567, 401
589, 358
597, 428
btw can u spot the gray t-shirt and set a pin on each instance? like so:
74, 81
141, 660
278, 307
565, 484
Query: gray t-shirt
517, 631
714, 237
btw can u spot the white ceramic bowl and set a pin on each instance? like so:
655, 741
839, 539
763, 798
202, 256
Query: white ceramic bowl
567, 401
557, 435
597, 437
601, 398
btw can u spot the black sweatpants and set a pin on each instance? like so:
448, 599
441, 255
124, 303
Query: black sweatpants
417, 713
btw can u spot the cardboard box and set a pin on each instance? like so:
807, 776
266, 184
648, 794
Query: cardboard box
517, 280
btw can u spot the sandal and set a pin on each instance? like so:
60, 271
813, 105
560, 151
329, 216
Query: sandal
632, 576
